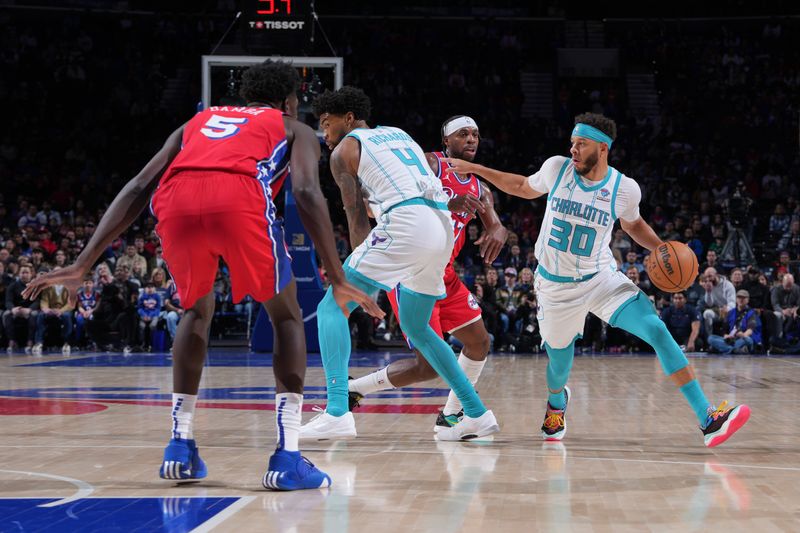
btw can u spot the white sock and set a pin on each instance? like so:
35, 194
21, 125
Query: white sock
288, 411
183, 415
473, 371
378, 380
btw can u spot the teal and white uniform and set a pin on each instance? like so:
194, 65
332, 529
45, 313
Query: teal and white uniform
577, 273
412, 243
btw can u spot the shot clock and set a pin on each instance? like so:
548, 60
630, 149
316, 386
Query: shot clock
280, 16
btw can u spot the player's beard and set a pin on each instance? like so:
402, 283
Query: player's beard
588, 164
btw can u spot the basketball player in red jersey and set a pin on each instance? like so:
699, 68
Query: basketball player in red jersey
214, 199
458, 313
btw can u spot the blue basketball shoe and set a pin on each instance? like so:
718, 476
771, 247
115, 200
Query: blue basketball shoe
182, 461
291, 471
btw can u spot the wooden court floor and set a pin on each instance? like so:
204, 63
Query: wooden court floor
81, 440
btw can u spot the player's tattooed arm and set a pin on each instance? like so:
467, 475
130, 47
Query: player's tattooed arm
344, 161
494, 233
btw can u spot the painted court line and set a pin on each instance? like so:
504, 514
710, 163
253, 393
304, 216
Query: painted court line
432, 452
220, 517
84, 489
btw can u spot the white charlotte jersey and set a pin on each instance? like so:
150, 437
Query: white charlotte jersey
393, 169
574, 239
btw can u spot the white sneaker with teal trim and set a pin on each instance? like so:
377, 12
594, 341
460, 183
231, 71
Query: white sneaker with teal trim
468, 428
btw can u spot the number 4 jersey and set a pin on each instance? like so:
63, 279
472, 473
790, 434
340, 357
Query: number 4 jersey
573, 243
393, 169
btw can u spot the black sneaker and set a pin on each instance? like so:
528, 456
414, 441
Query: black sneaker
555, 420
353, 398
447, 421
723, 422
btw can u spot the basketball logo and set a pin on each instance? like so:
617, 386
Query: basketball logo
472, 302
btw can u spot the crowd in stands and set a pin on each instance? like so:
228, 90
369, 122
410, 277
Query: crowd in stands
88, 93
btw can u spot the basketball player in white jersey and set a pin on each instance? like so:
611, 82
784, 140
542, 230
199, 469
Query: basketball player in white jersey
408, 249
577, 273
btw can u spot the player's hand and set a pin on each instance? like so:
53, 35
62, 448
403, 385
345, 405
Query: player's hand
491, 242
465, 203
690, 347
462, 167
70, 277
344, 293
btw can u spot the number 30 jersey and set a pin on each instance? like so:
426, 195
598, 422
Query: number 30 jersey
573, 242
248, 141
393, 169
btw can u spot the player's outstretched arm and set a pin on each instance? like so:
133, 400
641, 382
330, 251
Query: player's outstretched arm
344, 166
509, 183
126, 207
641, 232
313, 210
494, 233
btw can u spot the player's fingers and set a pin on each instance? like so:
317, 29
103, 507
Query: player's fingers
372, 309
493, 251
481, 239
476, 204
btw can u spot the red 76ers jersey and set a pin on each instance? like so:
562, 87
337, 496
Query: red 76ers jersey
454, 185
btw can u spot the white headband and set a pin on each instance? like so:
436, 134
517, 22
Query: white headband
458, 123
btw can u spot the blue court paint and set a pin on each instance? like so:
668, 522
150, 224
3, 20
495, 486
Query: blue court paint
222, 358
110, 514
223, 393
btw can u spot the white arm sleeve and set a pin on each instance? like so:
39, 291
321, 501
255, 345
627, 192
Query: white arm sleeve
628, 197
544, 180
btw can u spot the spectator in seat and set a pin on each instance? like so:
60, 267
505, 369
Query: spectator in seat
149, 309
632, 260
790, 241
737, 278
640, 281
711, 261
682, 321
54, 306
137, 264
19, 310
116, 310
779, 221
32, 218
515, 259
744, 329
46, 242
157, 260
86, 304
53, 217
173, 312
719, 298
621, 242
785, 300
693, 242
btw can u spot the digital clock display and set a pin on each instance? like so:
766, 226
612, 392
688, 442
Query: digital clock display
273, 7
278, 15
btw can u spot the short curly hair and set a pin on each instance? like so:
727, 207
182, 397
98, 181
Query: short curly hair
601, 122
347, 99
270, 81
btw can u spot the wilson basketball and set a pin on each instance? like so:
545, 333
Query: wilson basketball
672, 267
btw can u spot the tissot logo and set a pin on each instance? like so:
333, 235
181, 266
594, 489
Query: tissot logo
277, 24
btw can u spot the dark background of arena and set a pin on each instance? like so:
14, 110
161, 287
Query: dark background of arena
704, 98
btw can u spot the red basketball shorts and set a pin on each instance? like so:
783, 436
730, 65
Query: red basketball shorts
456, 310
203, 217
